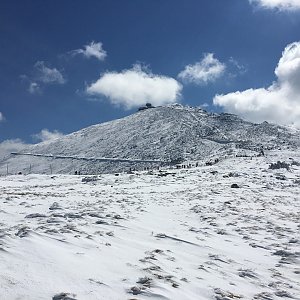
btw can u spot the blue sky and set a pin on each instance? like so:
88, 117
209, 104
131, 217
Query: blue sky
68, 64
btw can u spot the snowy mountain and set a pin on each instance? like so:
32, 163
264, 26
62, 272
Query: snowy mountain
168, 134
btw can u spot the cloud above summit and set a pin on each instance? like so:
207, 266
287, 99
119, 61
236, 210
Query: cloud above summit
134, 87
209, 69
278, 103
277, 4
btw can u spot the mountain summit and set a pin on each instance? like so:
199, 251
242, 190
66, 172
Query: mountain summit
166, 134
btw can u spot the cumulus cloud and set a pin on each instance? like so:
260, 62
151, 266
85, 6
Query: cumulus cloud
47, 75
279, 103
47, 135
1, 117
209, 69
135, 87
278, 4
92, 50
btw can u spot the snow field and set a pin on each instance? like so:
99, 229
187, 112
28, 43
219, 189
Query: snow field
185, 235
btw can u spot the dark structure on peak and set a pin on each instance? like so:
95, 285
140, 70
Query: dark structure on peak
148, 105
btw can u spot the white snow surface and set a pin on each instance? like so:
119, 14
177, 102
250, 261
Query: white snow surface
168, 234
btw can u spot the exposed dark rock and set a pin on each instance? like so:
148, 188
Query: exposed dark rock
280, 177
279, 165
247, 273
263, 296
89, 179
284, 253
35, 215
135, 290
283, 294
234, 186
102, 222
72, 216
233, 174
63, 296
54, 206
143, 280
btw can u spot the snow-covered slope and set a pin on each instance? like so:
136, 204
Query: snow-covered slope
170, 134
182, 234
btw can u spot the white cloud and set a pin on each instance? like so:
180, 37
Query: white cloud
42, 76
135, 87
46, 135
47, 75
8, 146
241, 69
207, 70
34, 88
92, 50
278, 4
279, 103
1, 117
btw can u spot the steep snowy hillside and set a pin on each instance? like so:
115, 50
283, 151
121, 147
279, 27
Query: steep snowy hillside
168, 134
